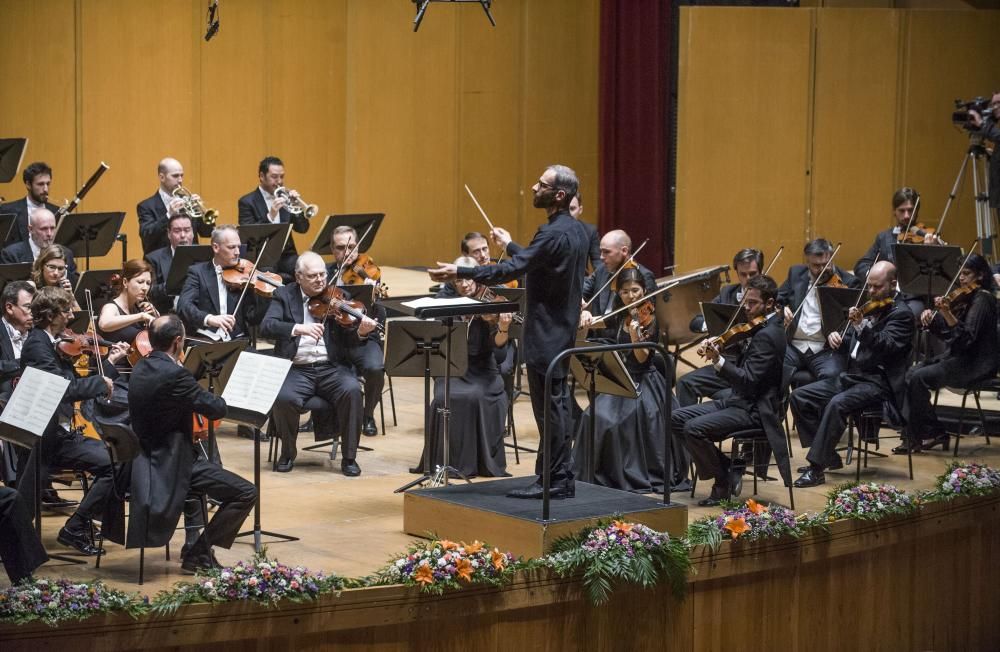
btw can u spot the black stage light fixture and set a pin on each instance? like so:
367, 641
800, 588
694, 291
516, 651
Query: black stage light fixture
422, 8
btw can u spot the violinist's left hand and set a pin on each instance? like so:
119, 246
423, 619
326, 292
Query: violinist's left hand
366, 326
505, 319
711, 351
117, 352
444, 273
855, 315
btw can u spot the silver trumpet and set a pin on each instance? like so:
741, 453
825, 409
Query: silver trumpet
194, 208
295, 205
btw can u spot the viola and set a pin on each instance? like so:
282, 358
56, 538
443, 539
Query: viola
364, 269
333, 303
242, 273
916, 234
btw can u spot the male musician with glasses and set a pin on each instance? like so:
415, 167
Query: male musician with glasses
37, 179
179, 234
261, 206
554, 264
41, 234
320, 365
155, 212
616, 247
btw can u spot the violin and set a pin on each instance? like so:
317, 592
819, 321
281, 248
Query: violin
239, 275
834, 281
333, 303
486, 294
364, 269
874, 306
644, 313
960, 296
916, 234
736, 334
78, 347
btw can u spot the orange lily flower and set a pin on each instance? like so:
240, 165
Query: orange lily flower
473, 548
755, 507
499, 559
464, 569
736, 527
424, 575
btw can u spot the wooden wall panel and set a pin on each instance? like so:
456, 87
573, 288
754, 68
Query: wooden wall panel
854, 117
742, 155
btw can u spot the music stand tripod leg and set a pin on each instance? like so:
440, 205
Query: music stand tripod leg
257, 532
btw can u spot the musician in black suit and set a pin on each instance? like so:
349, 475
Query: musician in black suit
37, 178
475, 246
615, 249
200, 301
179, 233
16, 323
162, 398
876, 350
61, 446
41, 233
970, 331
594, 251
320, 366
808, 349
261, 206
20, 549
155, 211
754, 403
553, 264
704, 382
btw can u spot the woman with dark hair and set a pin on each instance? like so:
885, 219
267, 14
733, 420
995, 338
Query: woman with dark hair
129, 312
969, 329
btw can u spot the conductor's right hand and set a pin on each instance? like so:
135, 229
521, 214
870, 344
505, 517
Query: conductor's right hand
500, 236
225, 322
314, 331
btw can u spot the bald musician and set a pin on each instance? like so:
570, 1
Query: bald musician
41, 234
155, 212
616, 247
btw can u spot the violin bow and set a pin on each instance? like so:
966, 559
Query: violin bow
816, 281
92, 328
249, 282
857, 302
350, 252
743, 299
951, 286
643, 299
615, 275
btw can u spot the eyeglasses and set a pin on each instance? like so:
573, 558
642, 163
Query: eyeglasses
55, 268
546, 185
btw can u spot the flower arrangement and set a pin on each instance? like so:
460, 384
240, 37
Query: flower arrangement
54, 601
441, 564
966, 479
619, 552
868, 501
261, 580
749, 521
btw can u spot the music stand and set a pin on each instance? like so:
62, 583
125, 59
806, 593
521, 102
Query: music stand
364, 293
14, 272
359, 221
184, 257
11, 156
211, 365
6, 227
413, 348
98, 281
834, 304
273, 237
600, 373
89, 234
518, 295
926, 270
719, 317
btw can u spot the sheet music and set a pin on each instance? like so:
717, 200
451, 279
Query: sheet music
255, 382
425, 302
35, 399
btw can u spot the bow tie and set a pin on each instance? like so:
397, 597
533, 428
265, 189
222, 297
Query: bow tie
16, 337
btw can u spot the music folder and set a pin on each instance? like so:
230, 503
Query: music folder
253, 387
184, 257
30, 408
719, 317
359, 221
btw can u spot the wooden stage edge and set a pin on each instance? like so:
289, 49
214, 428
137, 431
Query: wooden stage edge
922, 582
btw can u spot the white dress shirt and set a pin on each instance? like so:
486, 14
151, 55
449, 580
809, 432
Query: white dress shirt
310, 349
269, 199
16, 338
809, 332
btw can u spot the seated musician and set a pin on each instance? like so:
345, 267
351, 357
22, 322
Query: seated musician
50, 268
129, 312
704, 382
163, 396
261, 206
41, 233
477, 399
364, 353
808, 349
320, 367
16, 302
576, 210
156, 212
628, 440
62, 446
474, 245
37, 178
967, 324
616, 247
875, 352
755, 401
179, 233
206, 304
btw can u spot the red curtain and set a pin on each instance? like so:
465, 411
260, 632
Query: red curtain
635, 132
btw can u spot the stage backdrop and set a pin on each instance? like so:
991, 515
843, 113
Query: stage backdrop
800, 123
367, 115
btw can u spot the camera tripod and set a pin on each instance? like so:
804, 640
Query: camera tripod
976, 157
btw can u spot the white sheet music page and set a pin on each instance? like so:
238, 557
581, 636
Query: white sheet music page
425, 302
255, 382
34, 401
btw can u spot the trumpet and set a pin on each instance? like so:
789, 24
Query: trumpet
295, 205
194, 208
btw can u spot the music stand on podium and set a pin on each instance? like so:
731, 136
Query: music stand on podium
89, 234
211, 365
600, 373
184, 257
270, 237
358, 221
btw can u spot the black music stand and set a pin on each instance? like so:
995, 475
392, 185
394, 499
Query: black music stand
834, 304
600, 373
184, 257
364, 293
6, 228
517, 295
359, 221
211, 365
11, 156
414, 349
14, 272
89, 234
926, 270
719, 317
272, 237
98, 281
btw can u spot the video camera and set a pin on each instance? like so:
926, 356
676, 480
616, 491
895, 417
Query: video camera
960, 116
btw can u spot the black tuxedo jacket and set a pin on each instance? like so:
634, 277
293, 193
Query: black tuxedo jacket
160, 260
793, 291
20, 252
883, 355
200, 297
594, 251
285, 311
10, 367
162, 397
153, 223
881, 247
20, 209
253, 210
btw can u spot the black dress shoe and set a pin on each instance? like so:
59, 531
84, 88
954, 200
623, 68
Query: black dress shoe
811, 478
907, 448
719, 493
534, 491
51, 499
350, 468
368, 429
79, 541
835, 464
942, 440
307, 426
710, 502
284, 466
683, 485
193, 563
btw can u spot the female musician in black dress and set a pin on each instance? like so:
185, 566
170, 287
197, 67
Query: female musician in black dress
129, 311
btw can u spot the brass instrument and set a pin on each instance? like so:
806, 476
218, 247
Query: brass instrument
194, 208
295, 205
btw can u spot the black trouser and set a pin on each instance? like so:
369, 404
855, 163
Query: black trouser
235, 494
367, 358
821, 365
20, 548
700, 427
560, 425
334, 383
700, 383
920, 415
834, 407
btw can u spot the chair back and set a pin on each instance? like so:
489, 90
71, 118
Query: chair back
121, 441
